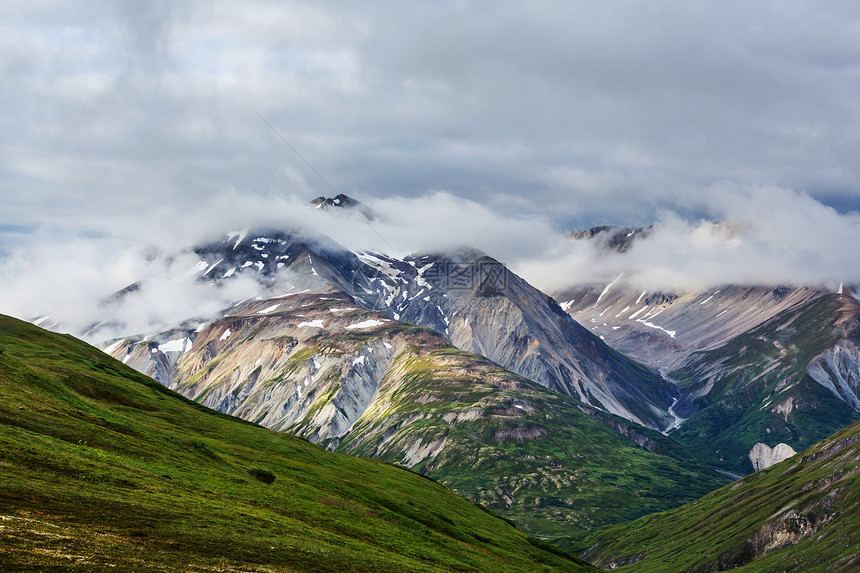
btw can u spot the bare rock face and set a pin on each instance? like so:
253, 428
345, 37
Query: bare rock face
663, 330
838, 370
763, 456
470, 299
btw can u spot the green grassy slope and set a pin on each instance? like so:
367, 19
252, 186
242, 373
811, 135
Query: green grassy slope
802, 514
760, 389
556, 467
103, 469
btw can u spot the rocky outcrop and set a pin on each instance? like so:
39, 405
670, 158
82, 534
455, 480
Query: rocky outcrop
420, 451
784, 530
763, 456
838, 370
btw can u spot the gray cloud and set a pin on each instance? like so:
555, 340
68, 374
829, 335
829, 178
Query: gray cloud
106, 101
134, 123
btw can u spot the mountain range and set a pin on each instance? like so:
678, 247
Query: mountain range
357, 382
105, 469
474, 301
590, 406
758, 369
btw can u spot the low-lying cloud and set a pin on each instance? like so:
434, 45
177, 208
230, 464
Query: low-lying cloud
762, 235
753, 235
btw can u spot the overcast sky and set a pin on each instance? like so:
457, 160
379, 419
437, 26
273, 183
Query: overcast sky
128, 121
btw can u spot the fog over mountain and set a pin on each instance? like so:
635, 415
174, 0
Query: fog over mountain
765, 236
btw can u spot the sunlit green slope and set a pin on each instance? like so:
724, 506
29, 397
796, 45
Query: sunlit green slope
103, 469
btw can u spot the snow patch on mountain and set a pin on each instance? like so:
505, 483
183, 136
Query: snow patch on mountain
637, 313
113, 346
177, 345
365, 324
240, 234
609, 286
212, 267
671, 333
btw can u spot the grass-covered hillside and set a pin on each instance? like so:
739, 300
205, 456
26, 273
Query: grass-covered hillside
103, 469
801, 515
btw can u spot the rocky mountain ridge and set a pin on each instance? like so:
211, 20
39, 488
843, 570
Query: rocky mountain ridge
344, 203
613, 238
473, 300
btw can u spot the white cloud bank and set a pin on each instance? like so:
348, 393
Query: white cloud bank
767, 235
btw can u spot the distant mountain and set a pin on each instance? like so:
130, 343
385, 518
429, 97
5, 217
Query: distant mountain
621, 239
345, 203
755, 366
105, 469
611, 237
800, 515
787, 383
319, 366
473, 300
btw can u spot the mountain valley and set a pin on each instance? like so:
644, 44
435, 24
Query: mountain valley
756, 367
802, 514
357, 382
564, 417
